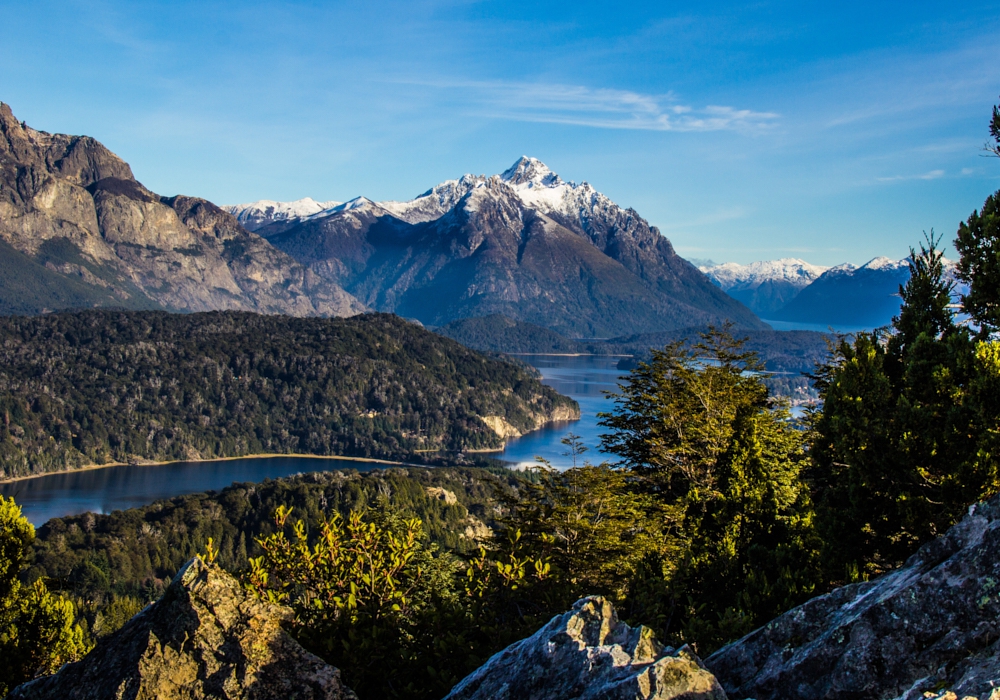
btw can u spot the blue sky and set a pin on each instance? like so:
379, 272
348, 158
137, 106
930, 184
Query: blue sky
834, 132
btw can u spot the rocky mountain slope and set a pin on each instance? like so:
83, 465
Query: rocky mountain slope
524, 244
78, 230
764, 286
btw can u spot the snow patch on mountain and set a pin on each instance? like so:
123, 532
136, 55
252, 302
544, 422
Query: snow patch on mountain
255, 215
798, 273
435, 202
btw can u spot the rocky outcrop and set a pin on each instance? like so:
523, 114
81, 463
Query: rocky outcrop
931, 627
588, 653
205, 638
77, 230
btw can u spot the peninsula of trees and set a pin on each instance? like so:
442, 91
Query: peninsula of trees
100, 387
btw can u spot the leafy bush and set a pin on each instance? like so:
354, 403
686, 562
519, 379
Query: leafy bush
37, 630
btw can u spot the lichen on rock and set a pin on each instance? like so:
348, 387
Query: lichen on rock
588, 653
206, 637
927, 629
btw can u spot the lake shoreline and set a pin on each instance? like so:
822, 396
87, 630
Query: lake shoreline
263, 455
566, 354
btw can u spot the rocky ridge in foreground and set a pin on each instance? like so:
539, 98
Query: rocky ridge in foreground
589, 654
930, 628
205, 638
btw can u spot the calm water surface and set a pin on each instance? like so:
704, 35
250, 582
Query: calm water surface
585, 379
116, 488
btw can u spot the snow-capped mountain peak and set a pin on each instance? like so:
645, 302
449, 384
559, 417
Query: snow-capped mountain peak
433, 203
531, 173
884, 263
356, 203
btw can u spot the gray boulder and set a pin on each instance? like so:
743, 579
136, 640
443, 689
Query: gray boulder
930, 627
588, 653
205, 638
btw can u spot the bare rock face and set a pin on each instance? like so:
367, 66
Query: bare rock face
205, 638
588, 653
77, 230
926, 630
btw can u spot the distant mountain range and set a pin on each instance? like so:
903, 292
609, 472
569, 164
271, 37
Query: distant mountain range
765, 286
524, 244
846, 295
793, 291
77, 230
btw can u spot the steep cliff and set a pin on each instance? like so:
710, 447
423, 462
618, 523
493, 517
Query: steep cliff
77, 230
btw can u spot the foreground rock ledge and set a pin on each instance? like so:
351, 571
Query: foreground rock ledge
927, 630
205, 638
588, 653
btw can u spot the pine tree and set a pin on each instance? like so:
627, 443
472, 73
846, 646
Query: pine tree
700, 429
978, 244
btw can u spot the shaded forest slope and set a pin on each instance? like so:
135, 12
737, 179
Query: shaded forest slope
97, 387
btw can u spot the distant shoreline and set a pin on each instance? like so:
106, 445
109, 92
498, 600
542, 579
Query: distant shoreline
92, 467
569, 354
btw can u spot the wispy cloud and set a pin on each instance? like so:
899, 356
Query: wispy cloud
930, 175
602, 108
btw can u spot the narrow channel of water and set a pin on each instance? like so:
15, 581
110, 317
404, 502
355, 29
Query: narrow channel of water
116, 488
584, 378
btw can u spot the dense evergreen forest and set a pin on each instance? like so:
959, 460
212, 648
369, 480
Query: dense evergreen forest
99, 386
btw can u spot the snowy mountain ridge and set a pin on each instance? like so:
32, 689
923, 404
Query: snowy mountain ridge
534, 183
523, 243
794, 271
254, 215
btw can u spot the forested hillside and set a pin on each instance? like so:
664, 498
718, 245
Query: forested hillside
99, 387
135, 552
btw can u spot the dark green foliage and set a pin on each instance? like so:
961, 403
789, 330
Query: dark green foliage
978, 244
903, 443
100, 387
697, 424
112, 563
498, 333
994, 147
135, 552
37, 628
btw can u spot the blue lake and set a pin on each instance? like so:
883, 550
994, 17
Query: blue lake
116, 488
584, 378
